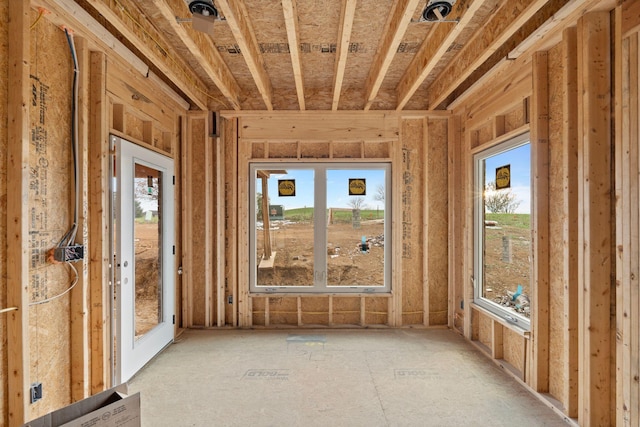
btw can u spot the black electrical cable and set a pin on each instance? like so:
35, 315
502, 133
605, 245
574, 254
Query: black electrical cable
70, 235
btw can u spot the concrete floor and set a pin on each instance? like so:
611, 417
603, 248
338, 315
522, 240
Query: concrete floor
390, 377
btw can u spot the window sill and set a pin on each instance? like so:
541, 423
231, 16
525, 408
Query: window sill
518, 329
319, 294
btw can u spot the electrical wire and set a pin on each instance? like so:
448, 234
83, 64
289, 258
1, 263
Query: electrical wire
70, 236
74, 282
37, 19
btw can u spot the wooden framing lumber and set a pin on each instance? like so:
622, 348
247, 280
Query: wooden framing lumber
19, 100
230, 132
293, 35
539, 349
396, 25
237, 17
435, 45
426, 184
570, 228
99, 225
242, 178
209, 277
505, 22
80, 294
551, 31
199, 45
456, 257
627, 161
72, 15
220, 253
347, 15
395, 302
594, 199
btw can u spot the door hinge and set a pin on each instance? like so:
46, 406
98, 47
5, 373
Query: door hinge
174, 249
174, 319
174, 180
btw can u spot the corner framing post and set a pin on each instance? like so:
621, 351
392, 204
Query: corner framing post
17, 212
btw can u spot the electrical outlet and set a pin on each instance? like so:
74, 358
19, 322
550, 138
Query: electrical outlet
36, 392
230, 299
70, 253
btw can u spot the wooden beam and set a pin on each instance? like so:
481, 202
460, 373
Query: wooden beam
627, 163
19, 100
99, 224
505, 22
434, 47
199, 45
594, 200
497, 340
220, 233
230, 132
539, 365
293, 34
396, 26
570, 211
210, 305
79, 304
237, 17
245, 315
347, 14
74, 16
550, 33
455, 220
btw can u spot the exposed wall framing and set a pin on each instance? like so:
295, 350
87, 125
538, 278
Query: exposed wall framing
560, 96
416, 143
64, 343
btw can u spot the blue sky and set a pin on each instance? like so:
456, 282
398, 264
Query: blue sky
337, 188
520, 160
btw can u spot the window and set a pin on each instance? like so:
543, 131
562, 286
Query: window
502, 226
320, 227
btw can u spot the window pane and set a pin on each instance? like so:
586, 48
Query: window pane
148, 250
284, 227
506, 250
355, 227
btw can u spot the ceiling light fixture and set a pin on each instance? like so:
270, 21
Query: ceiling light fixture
203, 7
204, 14
436, 11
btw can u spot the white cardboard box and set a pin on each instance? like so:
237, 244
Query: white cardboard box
111, 408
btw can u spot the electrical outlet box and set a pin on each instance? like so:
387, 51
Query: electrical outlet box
36, 392
71, 253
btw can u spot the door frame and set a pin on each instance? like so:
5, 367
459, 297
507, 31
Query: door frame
131, 354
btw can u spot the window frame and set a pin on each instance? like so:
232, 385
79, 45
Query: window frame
510, 316
320, 287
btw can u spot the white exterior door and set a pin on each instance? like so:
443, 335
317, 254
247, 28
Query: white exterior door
143, 189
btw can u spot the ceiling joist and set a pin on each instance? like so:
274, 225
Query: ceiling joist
291, 22
395, 28
237, 17
347, 16
198, 46
505, 23
434, 47
349, 56
120, 14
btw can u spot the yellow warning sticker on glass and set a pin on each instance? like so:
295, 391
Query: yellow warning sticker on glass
357, 186
503, 177
286, 187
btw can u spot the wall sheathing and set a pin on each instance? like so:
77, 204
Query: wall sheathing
50, 213
416, 145
563, 95
65, 341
